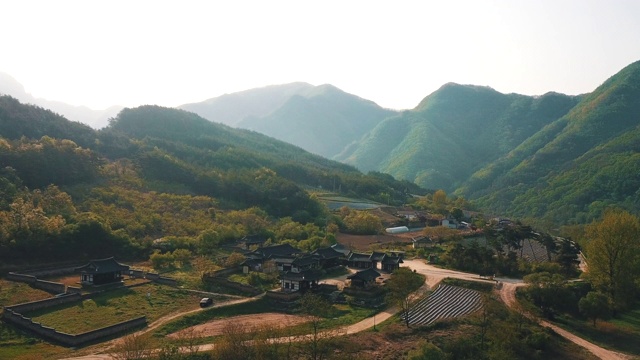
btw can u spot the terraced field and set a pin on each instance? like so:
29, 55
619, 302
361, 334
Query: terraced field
445, 303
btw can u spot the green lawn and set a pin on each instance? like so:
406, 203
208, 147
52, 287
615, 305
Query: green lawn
151, 300
12, 293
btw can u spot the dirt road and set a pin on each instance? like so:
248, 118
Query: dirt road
434, 276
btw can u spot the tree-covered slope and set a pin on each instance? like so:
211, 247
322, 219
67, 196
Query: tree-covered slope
454, 132
577, 165
322, 120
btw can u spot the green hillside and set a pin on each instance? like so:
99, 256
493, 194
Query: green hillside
454, 132
576, 166
66, 189
323, 120
557, 158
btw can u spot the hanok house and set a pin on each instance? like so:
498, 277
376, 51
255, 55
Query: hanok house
100, 272
359, 261
299, 281
253, 240
329, 257
363, 278
271, 252
390, 263
421, 242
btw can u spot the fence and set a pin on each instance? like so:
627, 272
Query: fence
246, 289
161, 279
48, 286
71, 340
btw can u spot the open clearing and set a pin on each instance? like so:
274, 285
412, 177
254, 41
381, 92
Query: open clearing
364, 242
254, 321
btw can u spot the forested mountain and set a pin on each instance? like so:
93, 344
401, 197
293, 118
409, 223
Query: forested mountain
576, 166
554, 157
95, 118
230, 109
153, 172
323, 120
454, 132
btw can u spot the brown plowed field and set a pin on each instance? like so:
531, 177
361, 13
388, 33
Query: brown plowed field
255, 321
363, 242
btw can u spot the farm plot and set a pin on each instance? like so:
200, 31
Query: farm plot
445, 303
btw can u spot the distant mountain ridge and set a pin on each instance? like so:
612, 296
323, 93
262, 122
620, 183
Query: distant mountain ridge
230, 109
321, 119
95, 118
454, 132
554, 157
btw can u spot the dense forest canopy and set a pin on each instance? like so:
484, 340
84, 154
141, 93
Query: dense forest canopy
157, 173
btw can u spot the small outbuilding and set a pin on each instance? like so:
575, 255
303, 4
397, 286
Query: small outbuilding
364, 278
103, 271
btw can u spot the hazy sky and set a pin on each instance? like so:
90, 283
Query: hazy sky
102, 53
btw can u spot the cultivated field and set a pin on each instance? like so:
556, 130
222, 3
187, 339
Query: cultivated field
151, 300
445, 303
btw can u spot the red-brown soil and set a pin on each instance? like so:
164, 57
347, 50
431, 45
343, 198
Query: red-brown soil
216, 327
364, 242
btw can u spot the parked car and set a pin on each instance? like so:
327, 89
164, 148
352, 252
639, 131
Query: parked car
206, 302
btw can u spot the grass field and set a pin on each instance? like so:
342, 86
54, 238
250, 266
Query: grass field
14, 343
621, 333
117, 306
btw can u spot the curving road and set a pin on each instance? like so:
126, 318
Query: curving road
507, 293
434, 275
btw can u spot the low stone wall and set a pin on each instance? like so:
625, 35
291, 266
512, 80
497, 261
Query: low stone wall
13, 314
29, 279
71, 340
67, 270
136, 273
284, 296
48, 286
42, 304
224, 272
74, 290
246, 289
161, 279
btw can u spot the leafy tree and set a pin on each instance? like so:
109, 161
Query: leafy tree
457, 214
315, 307
594, 305
613, 256
362, 222
549, 292
428, 351
161, 261
402, 283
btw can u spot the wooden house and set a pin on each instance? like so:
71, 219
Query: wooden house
299, 281
100, 272
390, 263
364, 278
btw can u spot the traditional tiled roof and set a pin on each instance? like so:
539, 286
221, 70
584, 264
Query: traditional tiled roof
309, 275
365, 275
377, 256
359, 257
422, 240
254, 239
305, 260
340, 248
388, 259
275, 251
328, 253
102, 266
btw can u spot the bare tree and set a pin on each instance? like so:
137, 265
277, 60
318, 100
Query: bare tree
132, 347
